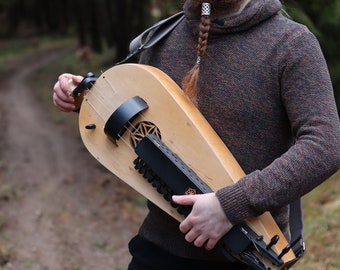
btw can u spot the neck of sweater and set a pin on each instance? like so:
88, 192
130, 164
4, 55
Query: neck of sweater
241, 7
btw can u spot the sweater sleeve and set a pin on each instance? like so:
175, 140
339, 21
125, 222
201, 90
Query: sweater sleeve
308, 97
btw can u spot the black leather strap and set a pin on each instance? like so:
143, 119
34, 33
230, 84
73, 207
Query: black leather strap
153, 35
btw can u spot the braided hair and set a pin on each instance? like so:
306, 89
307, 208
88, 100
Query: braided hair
190, 80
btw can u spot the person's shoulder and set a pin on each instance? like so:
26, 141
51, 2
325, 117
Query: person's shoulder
288, 30
287, 24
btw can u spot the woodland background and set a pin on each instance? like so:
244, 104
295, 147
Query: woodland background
76, 218
103, 24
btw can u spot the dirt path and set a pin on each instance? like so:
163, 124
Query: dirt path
59, 209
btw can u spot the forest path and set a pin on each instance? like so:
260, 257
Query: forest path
59, 209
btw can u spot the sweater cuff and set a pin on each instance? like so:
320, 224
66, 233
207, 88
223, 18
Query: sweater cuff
234, 203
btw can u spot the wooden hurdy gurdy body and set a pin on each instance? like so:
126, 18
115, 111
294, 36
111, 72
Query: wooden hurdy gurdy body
138, 123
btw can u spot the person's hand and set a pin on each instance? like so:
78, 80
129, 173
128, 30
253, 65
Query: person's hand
206, 223
62, 92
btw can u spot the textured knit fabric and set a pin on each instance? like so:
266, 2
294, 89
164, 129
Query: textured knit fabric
265, 89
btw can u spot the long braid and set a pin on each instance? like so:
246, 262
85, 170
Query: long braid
189, 82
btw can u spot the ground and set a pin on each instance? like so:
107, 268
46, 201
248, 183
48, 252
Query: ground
59, 208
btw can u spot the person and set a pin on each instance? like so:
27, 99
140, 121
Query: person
261, 81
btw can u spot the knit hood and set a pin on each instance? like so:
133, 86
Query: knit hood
254, 13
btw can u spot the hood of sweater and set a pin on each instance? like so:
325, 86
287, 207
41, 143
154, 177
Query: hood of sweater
254, 13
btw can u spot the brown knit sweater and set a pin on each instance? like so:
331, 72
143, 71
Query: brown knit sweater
265, 88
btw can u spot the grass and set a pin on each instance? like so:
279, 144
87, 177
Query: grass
12, 51
322, 227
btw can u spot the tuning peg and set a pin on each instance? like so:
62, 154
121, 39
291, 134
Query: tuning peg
91, 126
273, 242
285, 250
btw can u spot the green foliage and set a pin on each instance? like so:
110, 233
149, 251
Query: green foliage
13, 50
106, 23
321, 218
6, 3
95, 23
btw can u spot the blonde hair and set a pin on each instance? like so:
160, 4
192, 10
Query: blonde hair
190, 80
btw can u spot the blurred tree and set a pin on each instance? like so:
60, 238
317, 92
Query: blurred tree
95, 23
114, 23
